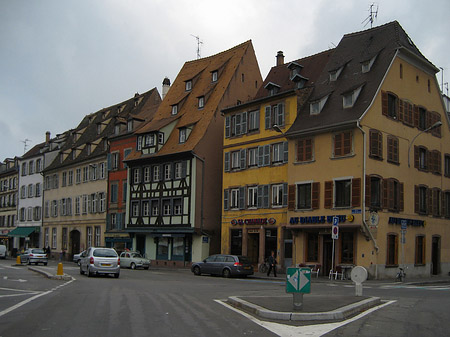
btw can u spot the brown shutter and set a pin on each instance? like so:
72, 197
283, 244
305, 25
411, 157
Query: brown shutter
389, 149
356, 192
385, 193
308, 149
443, 204
401, 109
338, 144
401, 195
315, 195
395, 150
300, 147
291, 197
429, 161
429, 201
347, 146
416, 199
391, 194
416, 116
384, 103
368, 185
328, 199
416, 157
429, 119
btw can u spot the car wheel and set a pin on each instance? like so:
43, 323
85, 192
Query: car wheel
133, 265
116, 275
81, 271
226, 273
197, 271
89, 274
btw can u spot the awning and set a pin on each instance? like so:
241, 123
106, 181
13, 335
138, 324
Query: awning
22, 232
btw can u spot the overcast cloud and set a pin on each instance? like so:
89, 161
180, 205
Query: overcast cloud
62, 60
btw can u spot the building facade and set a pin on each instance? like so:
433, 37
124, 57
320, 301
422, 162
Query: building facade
9, 181
175, 174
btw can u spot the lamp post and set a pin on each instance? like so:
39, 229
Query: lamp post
434, 126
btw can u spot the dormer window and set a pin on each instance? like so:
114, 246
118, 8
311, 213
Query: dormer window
367, 65
130, 125
161, 138
99, 129
149, 140
174, 109
334, 74
214, 76
74, 154
117, 129
201, 102
182, 136
295, 69
273, 88
349, 98
188, 85
316, 107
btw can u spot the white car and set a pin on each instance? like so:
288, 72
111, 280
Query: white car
3, 251
133, 260
77, 257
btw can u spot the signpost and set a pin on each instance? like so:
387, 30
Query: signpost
334, 236
298, 282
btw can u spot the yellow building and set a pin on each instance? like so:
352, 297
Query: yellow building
255, 181
371, 147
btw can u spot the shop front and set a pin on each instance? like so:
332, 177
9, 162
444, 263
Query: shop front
25, 237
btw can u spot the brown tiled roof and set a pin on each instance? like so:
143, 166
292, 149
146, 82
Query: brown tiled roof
355, 48
200, 72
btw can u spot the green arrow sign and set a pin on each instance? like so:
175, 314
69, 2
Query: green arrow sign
298, 280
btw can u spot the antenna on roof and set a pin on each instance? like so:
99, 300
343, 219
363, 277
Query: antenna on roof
25, 144
199, 42
373, 13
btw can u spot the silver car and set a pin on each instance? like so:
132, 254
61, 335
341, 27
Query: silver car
34, 255
133, 260
225, 265
77, 257
96, 260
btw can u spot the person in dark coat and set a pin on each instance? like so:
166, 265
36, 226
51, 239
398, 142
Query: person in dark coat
48, 251
272, 264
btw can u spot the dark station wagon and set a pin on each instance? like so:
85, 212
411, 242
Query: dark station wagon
225, 265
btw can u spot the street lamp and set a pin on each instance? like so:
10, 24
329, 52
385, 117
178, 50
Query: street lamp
434, 126
277, 129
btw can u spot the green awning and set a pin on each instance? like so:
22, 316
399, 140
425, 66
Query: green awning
22, 232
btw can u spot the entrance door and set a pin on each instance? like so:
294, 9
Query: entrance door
253, 247
74, 238
140, 244
327, 253
435, 255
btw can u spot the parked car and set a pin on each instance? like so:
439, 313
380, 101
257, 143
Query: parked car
225, 265
133, 260
77, 257
3, 251
34, 255
96, 260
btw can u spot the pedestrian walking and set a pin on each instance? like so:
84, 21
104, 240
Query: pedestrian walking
272, 264
49, 252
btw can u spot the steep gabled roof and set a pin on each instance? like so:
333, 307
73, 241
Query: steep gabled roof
378, 45
189, 115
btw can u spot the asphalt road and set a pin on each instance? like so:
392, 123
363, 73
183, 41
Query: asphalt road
177, 303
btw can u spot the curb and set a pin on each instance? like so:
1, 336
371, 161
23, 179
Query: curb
51, 276
333, 315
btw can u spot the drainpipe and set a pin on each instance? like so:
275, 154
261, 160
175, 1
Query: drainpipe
366, 227
202, 191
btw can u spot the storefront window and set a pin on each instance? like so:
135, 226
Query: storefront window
313, 248
236, 242
163, 249
347, 247
178, 249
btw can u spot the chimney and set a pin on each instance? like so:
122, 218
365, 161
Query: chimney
280, 58
165, 87
47, 136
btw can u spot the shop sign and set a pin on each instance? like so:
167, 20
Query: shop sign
408, 222
259, 221
320, 219
253, 231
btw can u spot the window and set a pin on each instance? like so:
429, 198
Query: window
180, 170
422, 118
253, 120
24, 169
64, 179
30, 190
136, 175
264, 155
38, 165
85, 174
447, 165
160, 138
305, 150
374, 192
334, 74
155, 207
29, 213
376, 144
114, 192
347, 247
166, 207
392, 248
389, 105
167, 171
446, 204
147, 174
135, 208
149, 140
188, 85
89, 236
303, 196
316, 107
174, 109
367, 65
342, 193
201, 102
54, 238
421, 199
234, 198
277, 195
274, 115
130, 125
420, 158
252, 196
78, 175
84, 204
70, 178
177, 206
182, 135
156, 173
253, 157
342, 144
114, 160
437, 202
277, 153
392, 149
349, 98
235, 160
214, 76
54, 208
145, 208
420, 250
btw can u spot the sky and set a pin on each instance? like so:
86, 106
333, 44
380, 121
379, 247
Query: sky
62, 60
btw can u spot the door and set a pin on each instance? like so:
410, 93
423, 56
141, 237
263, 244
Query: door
253, 247
287, 253
74, 242
435, 255
140, 244
327, 253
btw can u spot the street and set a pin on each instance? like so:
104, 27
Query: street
162, 302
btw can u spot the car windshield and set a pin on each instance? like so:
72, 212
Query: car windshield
37, 251
136, 255
104, 253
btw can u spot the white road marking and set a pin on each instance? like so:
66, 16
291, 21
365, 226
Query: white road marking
309, 330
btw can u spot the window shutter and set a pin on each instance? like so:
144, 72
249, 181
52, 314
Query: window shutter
416, 199
241, 197
438, 162
429, 161
244, 123
291, 195
227, 127
267, 118
416, 116
401, 196
227, 162
416, 157
328, 200
443, 209
238, 124
226, 194
109, 161
300, 149
347, 146
384, 103
385, 193
285, 195
429, 201
281, 114
356, 192
367, 196
243, 158
337, 144
266, 159
390, 192
260, 196
315, 202
401, 105
285, 152
266, 196
260, 156
183, 169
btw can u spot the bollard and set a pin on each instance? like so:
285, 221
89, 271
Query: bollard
18, 261
60, 269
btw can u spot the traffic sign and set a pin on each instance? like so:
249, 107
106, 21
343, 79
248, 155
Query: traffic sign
298, 280
335, 228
